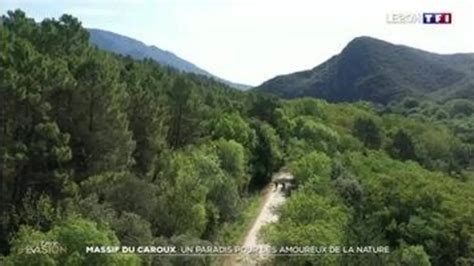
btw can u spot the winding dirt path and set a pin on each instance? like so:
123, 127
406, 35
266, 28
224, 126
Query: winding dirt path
273, 199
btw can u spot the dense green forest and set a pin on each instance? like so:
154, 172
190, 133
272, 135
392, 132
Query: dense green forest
99, 149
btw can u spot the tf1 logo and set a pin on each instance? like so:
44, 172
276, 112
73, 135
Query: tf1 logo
437, 18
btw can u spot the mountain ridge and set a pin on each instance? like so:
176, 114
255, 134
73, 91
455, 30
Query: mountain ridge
379, 71
124, 45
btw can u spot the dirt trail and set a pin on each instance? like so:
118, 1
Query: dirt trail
273, 199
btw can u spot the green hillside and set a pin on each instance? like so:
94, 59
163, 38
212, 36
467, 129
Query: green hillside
377, 71
103, 150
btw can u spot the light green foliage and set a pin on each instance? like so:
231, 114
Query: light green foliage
350, 142
233, 127
308, 219
307, 107
197, 192
425, 208
233, 161
147, 155
316, 135
344, 114
27, 237
315, 166
73, 234
413, 255
181, 208
435, 147
296, 148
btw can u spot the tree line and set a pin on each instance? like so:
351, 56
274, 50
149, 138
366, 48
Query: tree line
101, 149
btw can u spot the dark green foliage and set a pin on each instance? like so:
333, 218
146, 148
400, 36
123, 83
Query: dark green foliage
131, 194
100, 137
263, 106
98, 149
268, 156
73, 235
349, 189
185, 114
403, 147
85, 132
373, 70
147, 114
460, 108
443, 143
132, 230
422, 204
368, 132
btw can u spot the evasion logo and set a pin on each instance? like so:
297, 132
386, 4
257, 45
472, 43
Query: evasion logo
41, 247
419, 18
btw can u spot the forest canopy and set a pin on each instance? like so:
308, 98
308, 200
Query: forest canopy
97, 148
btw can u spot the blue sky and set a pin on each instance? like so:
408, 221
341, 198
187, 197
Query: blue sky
250, 41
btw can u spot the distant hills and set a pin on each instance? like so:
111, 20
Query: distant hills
120, 44
378, 71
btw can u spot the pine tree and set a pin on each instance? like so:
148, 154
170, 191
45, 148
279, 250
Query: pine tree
101, 139
147, 115
34, 145
185, 111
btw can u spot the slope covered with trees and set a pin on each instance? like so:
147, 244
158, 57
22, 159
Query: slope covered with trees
377, 71
368, 178
126, 46
100, 149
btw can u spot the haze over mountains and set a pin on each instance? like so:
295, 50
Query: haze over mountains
378, 71
120, 44
366, 69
